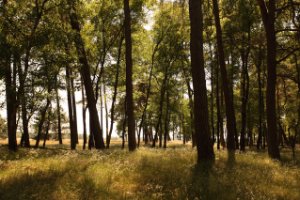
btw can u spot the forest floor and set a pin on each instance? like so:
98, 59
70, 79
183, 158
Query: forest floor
57, 173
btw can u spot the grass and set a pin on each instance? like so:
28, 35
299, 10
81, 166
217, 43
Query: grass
145, 174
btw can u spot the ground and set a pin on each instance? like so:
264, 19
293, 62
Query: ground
59, 173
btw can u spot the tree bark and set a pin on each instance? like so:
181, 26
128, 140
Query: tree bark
268, 18
83, 115
230, 113
201, 118
59, 132
129, 87
244, 92
71, 107
112, 112
86, 75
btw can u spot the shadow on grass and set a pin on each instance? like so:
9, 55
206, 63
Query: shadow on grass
66, 182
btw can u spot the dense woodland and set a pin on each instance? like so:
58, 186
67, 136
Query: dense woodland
217, 73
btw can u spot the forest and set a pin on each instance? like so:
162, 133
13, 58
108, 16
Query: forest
150, 99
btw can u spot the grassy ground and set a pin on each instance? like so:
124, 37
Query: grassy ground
54, 173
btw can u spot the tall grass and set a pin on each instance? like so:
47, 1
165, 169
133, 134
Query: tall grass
145, 174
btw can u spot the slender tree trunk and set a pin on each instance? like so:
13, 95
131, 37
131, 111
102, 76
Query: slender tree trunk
25, 121
106, 110
101, 108
124, 124
74, 119
191, 103
86, 75
83, 116
158, 127
112, 112
244, 93
201, 118
59, 132
222, 138
129, 87
71, 107
219, 127
166, 133
230, 113
10, 89
42, 121
149, 86
47, 129
268, 16
260, 102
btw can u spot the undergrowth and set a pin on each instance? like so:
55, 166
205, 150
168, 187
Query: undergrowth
145, 174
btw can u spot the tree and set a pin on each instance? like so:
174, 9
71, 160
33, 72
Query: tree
129, 87
201, 123
268, 18
230, 113
86, 75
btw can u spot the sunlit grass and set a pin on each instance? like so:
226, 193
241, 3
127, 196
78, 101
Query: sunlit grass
145, 174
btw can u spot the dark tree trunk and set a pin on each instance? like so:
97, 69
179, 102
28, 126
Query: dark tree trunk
201, 118
41, 122
106, 110
59, 132
86, 75
25, 142
166, 132
129, 87
219, 126
11, 106
191, 107
230, 114
10, 89
47, 130
244, 92
101, 107
268, 17
148, 87
124, 125
74, 119
113, 103
83, 115
71, 107
261, 109
158, 128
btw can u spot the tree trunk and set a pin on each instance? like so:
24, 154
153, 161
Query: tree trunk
149, 86
10, 90
25, 121
219, 127
124, 124
74, 106
83, 115
70, 106
106, 110
47, 130
59, 132
129, 87
260, 100
166, 133
230, 114
42, 120
268, 16
112, 112
86, 75
244, 92
158, 127
201, 118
